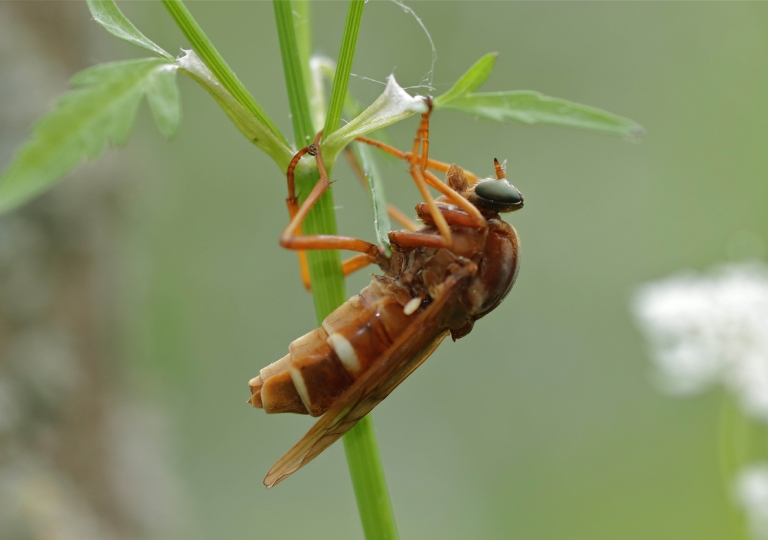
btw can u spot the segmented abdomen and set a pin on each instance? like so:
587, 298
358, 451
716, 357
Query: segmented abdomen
325, 362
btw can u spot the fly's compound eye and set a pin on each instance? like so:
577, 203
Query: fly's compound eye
499, 194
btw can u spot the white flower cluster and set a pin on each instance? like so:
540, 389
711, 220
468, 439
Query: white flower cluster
711, 329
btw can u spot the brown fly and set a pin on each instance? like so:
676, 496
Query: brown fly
441, 277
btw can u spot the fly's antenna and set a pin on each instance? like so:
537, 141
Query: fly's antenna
501, 169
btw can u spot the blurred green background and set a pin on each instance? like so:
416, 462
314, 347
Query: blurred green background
544, 423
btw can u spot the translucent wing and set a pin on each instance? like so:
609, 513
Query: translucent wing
406, 354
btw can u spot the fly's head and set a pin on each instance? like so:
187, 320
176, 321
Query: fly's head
495, 194
500, 248
490, 195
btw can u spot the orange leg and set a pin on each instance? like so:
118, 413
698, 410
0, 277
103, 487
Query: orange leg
355, 263
291, 238
292, 202
433, 164
477, 218
454, 197
423, 134
349, 266
417, 169
416, 239
392, 211
402, 219
453, 216
424, 176
434, 211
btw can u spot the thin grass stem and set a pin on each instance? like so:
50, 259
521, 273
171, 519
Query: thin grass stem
344, 66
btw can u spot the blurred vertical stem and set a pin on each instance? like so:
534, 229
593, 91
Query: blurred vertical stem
735, 440
325, 266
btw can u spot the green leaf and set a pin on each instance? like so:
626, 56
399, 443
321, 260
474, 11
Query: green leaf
470, 81
100, 111
321, 69
108, 15
164, 100
248, 123
378, 196
535, 108
393, 105
215, 64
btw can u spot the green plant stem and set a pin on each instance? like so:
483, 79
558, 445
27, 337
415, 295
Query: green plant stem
360, 445
328, 287
369, 482
344, 66
294, 73
216, 63
302, 11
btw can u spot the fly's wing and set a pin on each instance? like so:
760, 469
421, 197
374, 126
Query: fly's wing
389, 370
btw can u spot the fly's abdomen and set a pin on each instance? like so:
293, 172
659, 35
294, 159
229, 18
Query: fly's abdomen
325, 362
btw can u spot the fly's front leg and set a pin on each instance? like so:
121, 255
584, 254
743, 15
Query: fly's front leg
402, 219
418, 166
456, 198
455, 217
416, 239
291, 238
439, 166
422, 177
446, 239
392, 211
422, 138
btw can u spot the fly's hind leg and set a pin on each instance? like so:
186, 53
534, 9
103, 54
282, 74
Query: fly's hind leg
292, 238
